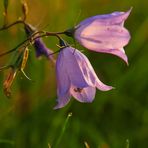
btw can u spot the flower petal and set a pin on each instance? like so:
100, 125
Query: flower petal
62, 101
41, 49
63, 82
86, 94
110, 19
90, 74
72, 67
100, 38
118, 52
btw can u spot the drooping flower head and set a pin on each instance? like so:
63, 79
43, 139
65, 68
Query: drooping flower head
76, 77
103, 33
39, 45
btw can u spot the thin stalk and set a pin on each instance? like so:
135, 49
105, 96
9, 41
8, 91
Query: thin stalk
127, 143
5, 67
63, 130
9, 51
32, 39
17, 22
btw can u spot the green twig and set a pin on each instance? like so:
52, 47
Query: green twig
127, 143
63, 130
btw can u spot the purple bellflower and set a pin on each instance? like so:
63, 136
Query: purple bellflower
76, 77
39, 45
103, 33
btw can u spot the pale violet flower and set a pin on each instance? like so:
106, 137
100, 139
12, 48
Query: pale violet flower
76, 77
40, 48
103, 33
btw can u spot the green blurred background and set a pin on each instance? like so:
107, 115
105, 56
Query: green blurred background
28, 120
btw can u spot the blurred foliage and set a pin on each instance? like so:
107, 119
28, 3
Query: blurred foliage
28, 120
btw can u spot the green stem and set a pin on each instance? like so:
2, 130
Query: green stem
63, 130
127, 143
56, 34
8, 26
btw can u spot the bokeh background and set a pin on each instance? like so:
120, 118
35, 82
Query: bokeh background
114, 119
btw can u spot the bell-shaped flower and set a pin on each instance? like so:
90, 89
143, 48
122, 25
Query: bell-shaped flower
76, 77
41, 49
39, 45
103, 33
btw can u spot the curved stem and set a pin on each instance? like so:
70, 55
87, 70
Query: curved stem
56, 34
17, 22
5, 67
7, 52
